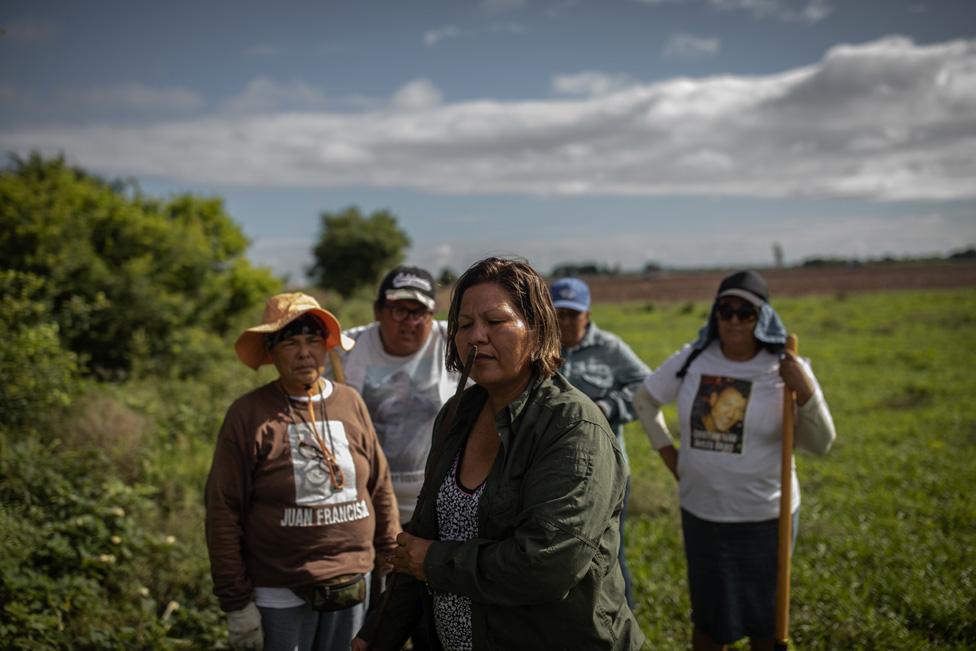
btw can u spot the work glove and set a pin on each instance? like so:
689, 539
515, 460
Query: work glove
244, 628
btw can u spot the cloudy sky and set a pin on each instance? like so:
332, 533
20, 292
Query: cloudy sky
684, 132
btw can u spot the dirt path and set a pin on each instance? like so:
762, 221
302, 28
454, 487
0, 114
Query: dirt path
701, 285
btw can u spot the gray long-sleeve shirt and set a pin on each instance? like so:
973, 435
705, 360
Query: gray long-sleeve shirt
604, 368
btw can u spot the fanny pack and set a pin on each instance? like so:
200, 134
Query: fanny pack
338, 593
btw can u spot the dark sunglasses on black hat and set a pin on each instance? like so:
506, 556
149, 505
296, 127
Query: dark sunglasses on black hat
745, 313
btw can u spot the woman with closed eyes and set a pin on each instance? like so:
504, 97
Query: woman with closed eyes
513, 544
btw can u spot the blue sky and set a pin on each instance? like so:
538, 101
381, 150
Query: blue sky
684, 132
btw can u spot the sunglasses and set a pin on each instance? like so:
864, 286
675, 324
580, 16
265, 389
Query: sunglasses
745, 313
402, 314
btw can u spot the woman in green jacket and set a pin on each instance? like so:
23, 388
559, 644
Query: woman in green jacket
513, 544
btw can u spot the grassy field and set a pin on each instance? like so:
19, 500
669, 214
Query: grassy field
887, 537
101, 515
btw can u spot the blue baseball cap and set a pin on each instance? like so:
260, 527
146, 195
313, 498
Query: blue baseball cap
570, 293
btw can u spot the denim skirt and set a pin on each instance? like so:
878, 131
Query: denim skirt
732, 576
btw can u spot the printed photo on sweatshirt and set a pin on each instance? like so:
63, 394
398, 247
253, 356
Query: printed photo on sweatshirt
718, 413
313, 482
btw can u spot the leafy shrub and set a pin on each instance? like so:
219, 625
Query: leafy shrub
133, 282
80, 570
36, 374
96, 420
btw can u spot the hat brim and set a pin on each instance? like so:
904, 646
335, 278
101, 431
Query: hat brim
410, 295
745, 294
251, 350
571, 305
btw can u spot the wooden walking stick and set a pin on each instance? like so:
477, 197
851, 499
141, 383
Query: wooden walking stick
785, 516
337, 372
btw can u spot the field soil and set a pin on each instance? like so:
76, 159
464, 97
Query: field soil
701, 285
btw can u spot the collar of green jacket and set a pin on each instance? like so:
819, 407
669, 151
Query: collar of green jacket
473, 401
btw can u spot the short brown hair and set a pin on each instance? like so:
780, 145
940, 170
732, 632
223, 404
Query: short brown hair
530, 296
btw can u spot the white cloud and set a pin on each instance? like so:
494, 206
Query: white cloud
435, 36
266, 95
590, 83
442, 255
808, 11
887, 120
416, 95
689, 45
815, 11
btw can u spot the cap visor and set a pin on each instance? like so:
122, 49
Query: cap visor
571, 305
743, 294
410, 295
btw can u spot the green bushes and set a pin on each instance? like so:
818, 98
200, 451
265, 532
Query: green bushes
101, 517
80, 570
36, 374
101, 510
133, 283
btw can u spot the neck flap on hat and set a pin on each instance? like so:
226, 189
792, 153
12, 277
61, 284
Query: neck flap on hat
769, 330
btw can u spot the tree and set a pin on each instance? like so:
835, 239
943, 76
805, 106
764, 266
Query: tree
131, 281
652, 268
355, 251
584, 269
447, 277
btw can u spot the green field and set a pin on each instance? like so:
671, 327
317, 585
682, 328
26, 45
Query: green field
887, 536
101, 516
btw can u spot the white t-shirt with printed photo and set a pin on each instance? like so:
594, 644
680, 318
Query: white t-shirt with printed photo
731, 422
403, 395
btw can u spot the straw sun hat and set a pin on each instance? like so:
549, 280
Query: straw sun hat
281, 310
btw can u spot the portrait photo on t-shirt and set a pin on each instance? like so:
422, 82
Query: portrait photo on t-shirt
403, 412
718, 414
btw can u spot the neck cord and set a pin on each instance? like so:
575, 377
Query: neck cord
336, 476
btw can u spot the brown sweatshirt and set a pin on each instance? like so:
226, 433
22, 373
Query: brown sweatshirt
274, 517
